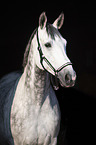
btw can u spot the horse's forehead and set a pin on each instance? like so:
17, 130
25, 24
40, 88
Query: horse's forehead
50, 33
54, 33
60, 40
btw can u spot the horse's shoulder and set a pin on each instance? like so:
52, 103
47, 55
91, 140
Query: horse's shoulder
8, 86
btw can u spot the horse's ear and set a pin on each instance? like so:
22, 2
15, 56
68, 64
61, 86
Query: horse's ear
42, 20
59, 21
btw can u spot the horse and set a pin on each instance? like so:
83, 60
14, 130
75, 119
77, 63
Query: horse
29, 110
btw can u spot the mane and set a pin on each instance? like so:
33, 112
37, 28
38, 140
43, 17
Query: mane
28, 49
52, 31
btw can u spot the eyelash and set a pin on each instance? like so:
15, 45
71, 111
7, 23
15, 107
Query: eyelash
48, 45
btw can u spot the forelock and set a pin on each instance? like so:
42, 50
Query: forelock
52, 31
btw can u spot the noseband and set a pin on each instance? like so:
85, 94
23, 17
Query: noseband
42, 57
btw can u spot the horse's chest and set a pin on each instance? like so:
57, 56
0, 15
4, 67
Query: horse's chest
43, 124
31, 123
49, 119
40, 123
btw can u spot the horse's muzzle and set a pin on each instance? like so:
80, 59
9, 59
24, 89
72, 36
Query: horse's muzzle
67, 77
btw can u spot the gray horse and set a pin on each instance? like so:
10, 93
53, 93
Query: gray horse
34, 114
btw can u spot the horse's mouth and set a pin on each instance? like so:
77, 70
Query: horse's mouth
56, 82
66, 85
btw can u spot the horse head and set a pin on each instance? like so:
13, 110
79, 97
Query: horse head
51, 52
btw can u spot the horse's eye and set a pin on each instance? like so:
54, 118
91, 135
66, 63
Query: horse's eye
48, 44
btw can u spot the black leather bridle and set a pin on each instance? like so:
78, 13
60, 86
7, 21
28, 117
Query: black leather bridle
42, 57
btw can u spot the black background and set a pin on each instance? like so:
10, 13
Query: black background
78, 104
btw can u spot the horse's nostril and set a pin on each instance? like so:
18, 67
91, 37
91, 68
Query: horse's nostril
67, 78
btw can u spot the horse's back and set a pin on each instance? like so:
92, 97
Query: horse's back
8, 86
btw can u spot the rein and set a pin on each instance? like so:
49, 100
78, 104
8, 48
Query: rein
42, 57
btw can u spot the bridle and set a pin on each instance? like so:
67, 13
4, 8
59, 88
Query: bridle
42, 57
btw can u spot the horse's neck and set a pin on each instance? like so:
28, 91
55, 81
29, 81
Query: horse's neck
37, 81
